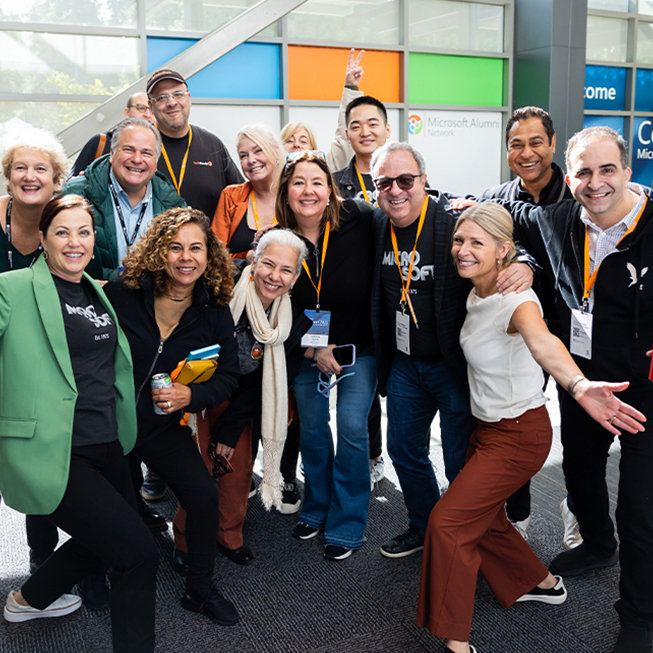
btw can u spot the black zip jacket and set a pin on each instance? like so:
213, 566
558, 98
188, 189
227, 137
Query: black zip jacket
203, 324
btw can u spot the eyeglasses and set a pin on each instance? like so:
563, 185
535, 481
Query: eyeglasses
141, 108
309, 155
404, 182
178, 96
221, 467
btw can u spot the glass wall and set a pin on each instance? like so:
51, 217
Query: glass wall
619, 75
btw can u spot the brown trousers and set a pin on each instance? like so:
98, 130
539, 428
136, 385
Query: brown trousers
468, 530
233, 488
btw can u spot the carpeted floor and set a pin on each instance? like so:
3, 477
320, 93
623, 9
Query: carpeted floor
291, 600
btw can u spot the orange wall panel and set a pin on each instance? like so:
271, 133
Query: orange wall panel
319, 73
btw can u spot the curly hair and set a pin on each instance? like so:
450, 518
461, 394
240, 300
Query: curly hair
149, 254
285, 216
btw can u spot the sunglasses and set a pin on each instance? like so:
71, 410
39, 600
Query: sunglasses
324, 384
404, 182
221, 467
308, 155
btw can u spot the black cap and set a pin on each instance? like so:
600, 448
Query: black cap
160, 75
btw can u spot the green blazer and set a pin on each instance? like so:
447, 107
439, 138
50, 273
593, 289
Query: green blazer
38, 392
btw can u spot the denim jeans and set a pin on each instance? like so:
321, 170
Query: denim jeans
417, 390
337, 490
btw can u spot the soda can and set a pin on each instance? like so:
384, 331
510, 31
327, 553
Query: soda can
161, 380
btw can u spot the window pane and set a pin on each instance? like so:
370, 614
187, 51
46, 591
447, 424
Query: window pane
644, 43
609, 5
646, 7
70, 64
53, 116
455, 25
197, 15
606, 39
117, 13
346, 21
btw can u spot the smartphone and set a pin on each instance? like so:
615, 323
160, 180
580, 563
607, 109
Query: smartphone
345, 355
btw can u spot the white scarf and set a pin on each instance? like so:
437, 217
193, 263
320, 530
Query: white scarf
272, 332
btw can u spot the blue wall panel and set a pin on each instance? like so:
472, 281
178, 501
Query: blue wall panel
252, 70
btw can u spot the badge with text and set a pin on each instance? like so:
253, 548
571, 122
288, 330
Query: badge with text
581, 334
402, 332
318, 334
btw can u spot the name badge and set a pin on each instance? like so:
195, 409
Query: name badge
402, 332
581, 334
318, 335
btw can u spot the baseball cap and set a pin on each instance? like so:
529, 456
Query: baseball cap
160, 75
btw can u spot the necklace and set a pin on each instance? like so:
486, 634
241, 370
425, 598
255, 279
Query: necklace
178, 299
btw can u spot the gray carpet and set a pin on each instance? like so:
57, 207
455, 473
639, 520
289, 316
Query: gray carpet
292, 601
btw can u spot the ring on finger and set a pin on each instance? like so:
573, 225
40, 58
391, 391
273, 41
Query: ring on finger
612, 419
170, 405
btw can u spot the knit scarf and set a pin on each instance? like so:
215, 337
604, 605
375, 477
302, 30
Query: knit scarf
271, 332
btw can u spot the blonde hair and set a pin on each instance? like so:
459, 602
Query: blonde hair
293, 127
269, 142
40, 140
149, 254
494, 219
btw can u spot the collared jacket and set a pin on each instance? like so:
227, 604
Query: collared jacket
350, 188
231, 209
622, 312
555, 191
93, 185
449, 296
38, 391
203, 323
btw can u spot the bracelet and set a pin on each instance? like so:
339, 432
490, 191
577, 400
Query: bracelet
573, 382
315, 356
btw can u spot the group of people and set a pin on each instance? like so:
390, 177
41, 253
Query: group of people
150, 254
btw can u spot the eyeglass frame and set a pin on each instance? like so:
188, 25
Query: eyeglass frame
393, 180
141, 108
324, 387
178, 96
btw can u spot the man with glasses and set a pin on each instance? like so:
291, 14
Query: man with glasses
138, 106
193, 159
418, 308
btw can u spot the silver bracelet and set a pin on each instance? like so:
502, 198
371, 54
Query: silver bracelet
573, 382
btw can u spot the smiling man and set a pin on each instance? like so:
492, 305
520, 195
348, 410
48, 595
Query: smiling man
193, 159
126, 192
367, 130
418, 308
531, 144
597, 255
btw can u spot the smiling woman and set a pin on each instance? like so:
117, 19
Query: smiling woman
34, 165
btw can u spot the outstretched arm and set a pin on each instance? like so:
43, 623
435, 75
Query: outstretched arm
595, 397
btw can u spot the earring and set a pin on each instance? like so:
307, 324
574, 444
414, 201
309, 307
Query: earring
251, 277
45, 254
328, 202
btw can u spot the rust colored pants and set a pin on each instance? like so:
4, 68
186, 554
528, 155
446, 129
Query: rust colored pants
233, 488
468, 530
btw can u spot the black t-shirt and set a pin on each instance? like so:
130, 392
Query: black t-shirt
209, 168
92, 337
423, 340
243, 237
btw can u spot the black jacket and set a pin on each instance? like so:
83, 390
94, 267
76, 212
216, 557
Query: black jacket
204, 323
245, 403
623, 292
350, 188
450, 295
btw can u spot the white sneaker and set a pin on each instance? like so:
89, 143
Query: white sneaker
572, 537
377, 469
65, 604
522, 526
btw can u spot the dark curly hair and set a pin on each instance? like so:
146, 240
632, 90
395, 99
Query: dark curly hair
149, 254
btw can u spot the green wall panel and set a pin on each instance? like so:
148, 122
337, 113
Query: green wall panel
445, 79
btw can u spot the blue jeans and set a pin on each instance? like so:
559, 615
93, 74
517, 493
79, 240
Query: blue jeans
337, 490
417, 389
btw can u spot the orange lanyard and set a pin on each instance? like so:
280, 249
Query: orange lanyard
589, 280
405, 285
325, 244
182, 171
255, 212
362, 183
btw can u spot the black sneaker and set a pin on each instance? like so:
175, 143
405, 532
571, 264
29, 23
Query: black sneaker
153, 487
214, 606
579, 560
553, 596
405, 544
303, 531
335, 552
290, 499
